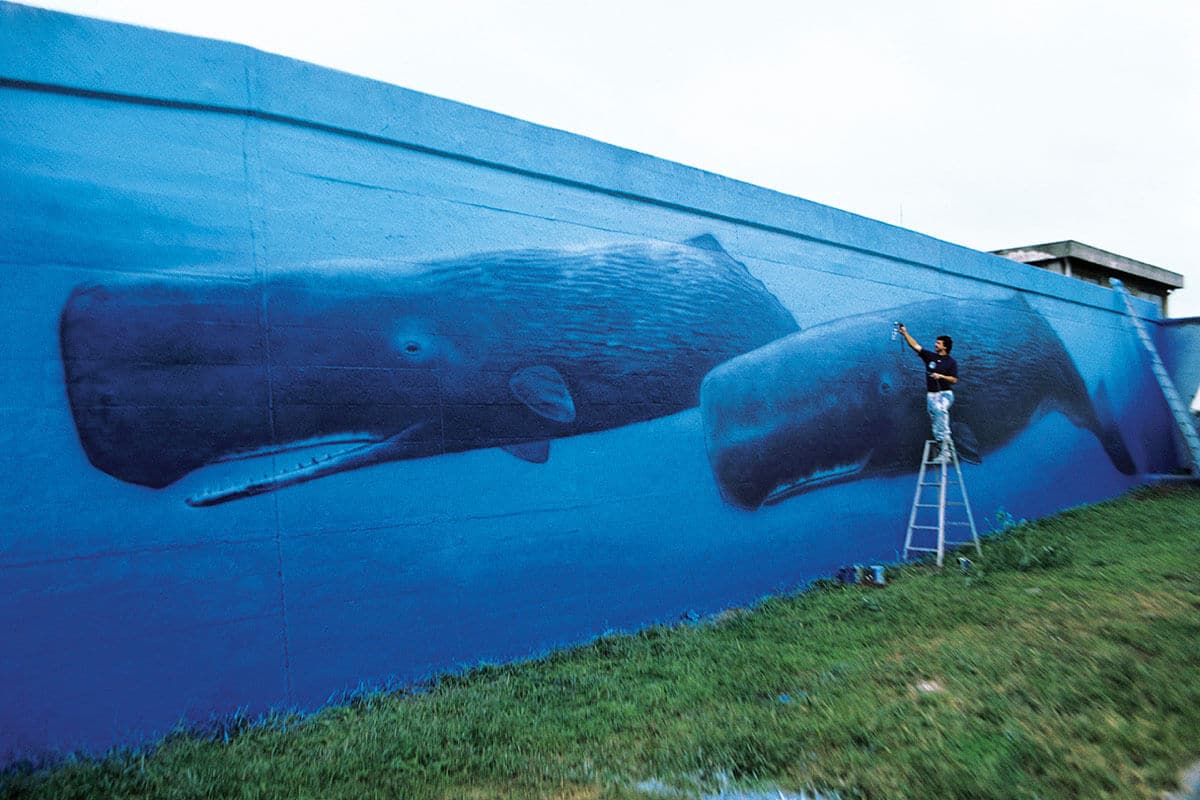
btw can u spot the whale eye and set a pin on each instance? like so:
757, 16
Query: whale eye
885, 387
412, 348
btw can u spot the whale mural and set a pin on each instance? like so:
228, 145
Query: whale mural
843, 400
168, 374
227, 273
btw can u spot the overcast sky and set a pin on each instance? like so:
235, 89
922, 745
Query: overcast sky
988, 123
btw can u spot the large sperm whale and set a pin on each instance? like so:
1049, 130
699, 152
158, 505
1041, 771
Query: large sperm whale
842, 400
167, 374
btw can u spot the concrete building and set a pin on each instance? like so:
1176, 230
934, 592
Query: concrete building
1091, 264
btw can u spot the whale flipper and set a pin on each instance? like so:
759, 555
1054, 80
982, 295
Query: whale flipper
533, 452
545, 391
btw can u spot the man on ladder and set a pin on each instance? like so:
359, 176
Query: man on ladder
941, 373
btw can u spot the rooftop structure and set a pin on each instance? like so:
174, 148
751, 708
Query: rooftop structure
1091, 264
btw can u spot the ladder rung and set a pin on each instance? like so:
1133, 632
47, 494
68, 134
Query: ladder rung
924, 527
923, 549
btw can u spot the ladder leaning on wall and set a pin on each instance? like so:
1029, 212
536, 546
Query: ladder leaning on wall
922, 507
1182, 418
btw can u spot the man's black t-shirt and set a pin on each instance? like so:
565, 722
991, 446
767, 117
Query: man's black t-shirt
943, 365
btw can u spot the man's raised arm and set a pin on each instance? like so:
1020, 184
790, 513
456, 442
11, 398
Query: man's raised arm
908, 337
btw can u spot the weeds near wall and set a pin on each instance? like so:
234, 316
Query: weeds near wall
1021, 546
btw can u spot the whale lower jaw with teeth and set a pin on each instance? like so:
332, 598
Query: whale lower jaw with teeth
825, 477
393, 448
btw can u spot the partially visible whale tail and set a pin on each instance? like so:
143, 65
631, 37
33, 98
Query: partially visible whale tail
1109, 434
1091, 411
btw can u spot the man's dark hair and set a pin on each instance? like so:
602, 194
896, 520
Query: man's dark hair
946, 340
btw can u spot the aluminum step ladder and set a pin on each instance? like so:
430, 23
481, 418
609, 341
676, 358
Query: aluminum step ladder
946, 476
1178, 410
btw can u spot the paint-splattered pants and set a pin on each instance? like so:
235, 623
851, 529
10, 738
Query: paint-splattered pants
938, 404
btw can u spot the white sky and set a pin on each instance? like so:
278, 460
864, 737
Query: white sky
988, 123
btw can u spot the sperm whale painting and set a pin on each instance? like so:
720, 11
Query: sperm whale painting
167, 374
842, 401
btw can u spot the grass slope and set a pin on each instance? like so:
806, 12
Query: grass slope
1066, 664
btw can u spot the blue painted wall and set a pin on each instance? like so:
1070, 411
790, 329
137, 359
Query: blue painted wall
1178, 342
526, 364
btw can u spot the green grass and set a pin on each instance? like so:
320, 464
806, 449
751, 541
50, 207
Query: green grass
1066, 665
